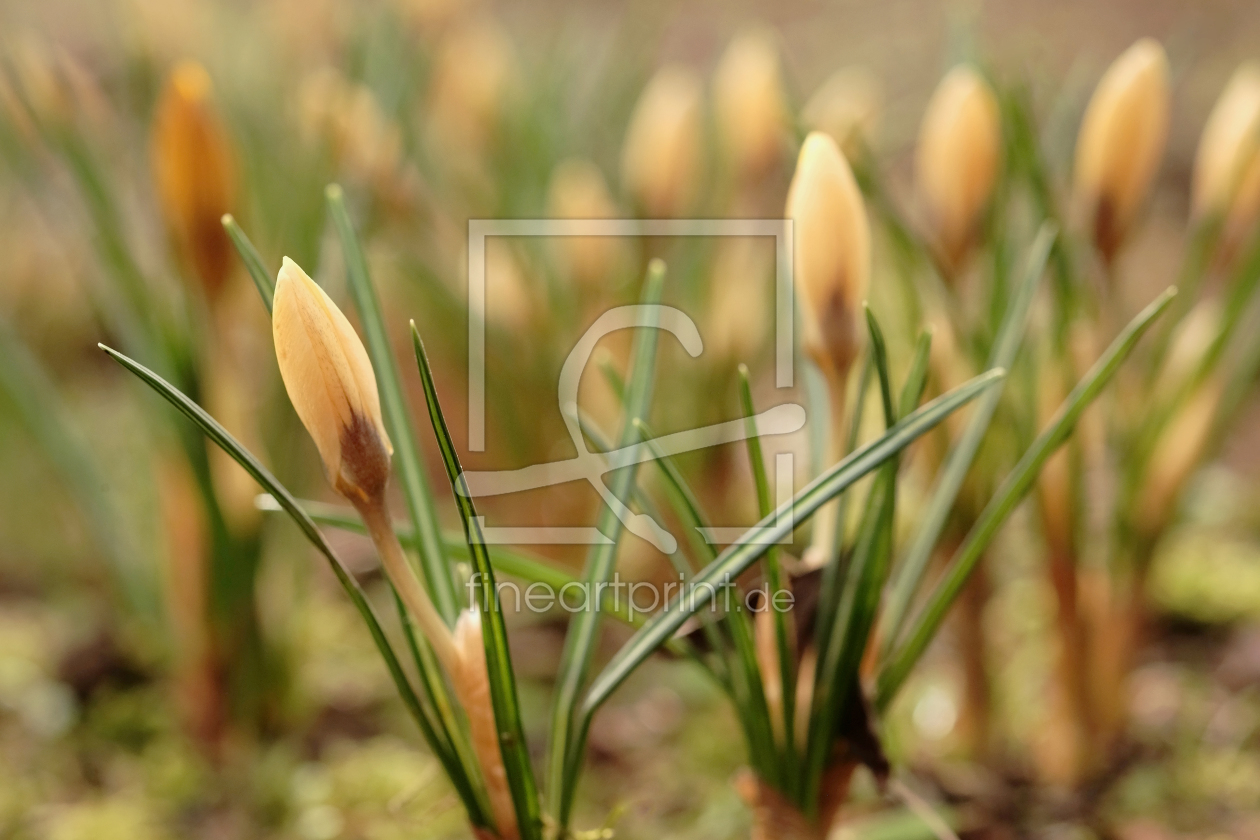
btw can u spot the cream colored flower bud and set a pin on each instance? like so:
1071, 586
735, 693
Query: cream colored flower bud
194, 173
1121, 142
1176, 455
847, 107
957, 158
833, 250
471, 682
329, 379
1227, 166
472, 73
748, 103
661, 157
578, 191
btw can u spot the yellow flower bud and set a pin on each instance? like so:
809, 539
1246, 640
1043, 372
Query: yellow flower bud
329, 379
1121, 142
748, 103
847, 107
661, 156
833, 250
1176, 455
1227, 166
194, 173
578, 191
363, 142
472, 70
957, 158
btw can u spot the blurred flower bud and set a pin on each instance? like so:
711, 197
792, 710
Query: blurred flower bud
741, 284
1227, 167
472, 685
957, 158
661, 156
510, 302
472, 70
332, 386
748, 103
833, 251
194, 173
578, 191
1121, 142
847, 107
1054, 482
50, 89
1176, 455
363, 142
1191, 340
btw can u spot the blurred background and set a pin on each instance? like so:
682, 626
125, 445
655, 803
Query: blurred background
175, 663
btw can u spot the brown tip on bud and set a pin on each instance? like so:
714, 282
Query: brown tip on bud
1121, 143
957, 158
832, 250
332, 386
661, 156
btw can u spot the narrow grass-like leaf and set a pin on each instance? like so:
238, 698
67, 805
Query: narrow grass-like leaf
224, 440
407, 462
641, 499
252, 259
564, 751
738, 557
746, 683
841, 644
1006, 499
784, 634
507, 711
49, 422
909, 573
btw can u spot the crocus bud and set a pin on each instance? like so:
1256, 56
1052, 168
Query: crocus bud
1121, 142
1227, 167
957, 158
833, 251
661, 156
1175, 456
329, 379
578, 191
748, 103
847, 107
471, 74
472, 686
194, 173
363, 142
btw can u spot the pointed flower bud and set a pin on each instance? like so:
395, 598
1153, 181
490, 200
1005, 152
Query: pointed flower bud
661, 156
194, 173
833, 250
472, 73
1121, 142
847, 107
748, 103
329, 379
957, 158
1227, 166
578, 191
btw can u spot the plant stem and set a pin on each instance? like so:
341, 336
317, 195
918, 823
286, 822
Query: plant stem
380, 527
